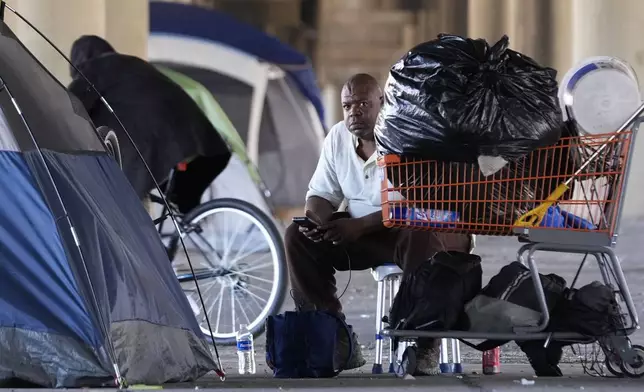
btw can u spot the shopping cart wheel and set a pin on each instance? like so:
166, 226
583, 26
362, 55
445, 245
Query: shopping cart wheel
613, 365
408, 363
635, 369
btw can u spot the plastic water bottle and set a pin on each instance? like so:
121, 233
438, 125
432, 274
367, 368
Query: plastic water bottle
245, 350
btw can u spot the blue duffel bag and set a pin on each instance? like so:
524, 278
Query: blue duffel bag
303, 344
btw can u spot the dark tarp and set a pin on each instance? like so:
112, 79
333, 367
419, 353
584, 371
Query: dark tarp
165, 123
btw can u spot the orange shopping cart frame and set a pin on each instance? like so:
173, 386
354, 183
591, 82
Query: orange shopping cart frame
565, 198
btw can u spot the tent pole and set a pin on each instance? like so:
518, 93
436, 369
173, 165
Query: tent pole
255, 123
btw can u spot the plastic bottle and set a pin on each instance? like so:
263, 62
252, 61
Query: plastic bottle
418, 217
245, 350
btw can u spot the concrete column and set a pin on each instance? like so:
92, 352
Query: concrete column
124, 23
442, 16
487, 19
529, 27
561, 38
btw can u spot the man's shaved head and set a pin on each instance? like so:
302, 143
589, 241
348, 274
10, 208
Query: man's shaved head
361, 101
362, 81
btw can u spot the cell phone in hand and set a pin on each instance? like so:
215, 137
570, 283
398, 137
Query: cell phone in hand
305, 221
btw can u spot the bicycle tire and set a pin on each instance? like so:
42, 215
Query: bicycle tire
275, 237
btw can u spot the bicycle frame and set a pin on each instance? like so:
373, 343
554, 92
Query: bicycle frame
185, 228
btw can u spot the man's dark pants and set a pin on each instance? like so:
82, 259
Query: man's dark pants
312, 265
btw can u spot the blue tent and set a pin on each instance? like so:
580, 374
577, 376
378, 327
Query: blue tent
88, 295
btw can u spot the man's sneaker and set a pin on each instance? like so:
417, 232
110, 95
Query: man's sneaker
342, 352
427, 362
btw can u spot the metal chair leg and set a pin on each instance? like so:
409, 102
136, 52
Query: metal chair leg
445, 365
456, 356
380, 302
392, 295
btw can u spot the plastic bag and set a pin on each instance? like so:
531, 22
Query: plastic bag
456, 99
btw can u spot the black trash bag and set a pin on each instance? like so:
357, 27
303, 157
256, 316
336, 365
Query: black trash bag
591, 310
442, 185
455, 99
432, 298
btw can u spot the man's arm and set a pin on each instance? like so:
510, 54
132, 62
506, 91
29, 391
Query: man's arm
371, 223
320, 207
325, 193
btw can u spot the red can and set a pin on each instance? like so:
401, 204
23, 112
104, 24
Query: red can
492, 361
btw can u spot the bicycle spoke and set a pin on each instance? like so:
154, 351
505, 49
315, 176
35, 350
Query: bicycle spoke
262, 289
252, 276
243, 311
209, 289
248, 238
257, 303
244, 255
253, 294
232, 242
218, 298
221, 302
256, 267
232, 304
236, 258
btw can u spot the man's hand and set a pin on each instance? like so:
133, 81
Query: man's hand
344, 230
314, 235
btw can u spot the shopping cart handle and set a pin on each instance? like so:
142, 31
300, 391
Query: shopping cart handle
534, 217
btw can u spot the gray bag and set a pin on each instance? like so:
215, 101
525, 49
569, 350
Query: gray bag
509, 300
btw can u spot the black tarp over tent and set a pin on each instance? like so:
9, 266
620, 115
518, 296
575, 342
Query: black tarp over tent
86, 285
165, 123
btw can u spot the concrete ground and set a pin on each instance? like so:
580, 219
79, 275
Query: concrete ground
514, 378
359, 302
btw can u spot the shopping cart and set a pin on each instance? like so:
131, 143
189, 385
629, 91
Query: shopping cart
565, 198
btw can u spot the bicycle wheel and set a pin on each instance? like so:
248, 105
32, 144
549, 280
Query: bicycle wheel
238, 258
111, 142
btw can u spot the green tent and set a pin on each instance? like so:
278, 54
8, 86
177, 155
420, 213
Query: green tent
215, 114
241, 179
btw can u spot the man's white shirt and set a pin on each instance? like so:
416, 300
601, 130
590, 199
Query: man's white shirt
342, 174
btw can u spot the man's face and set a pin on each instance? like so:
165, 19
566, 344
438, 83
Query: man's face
361, 105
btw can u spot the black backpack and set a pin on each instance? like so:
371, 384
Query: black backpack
432, 298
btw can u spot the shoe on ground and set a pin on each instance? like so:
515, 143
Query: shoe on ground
427, 362
342, 352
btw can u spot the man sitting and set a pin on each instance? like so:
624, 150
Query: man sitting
356, 239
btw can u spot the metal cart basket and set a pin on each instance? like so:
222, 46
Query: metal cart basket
564, 198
